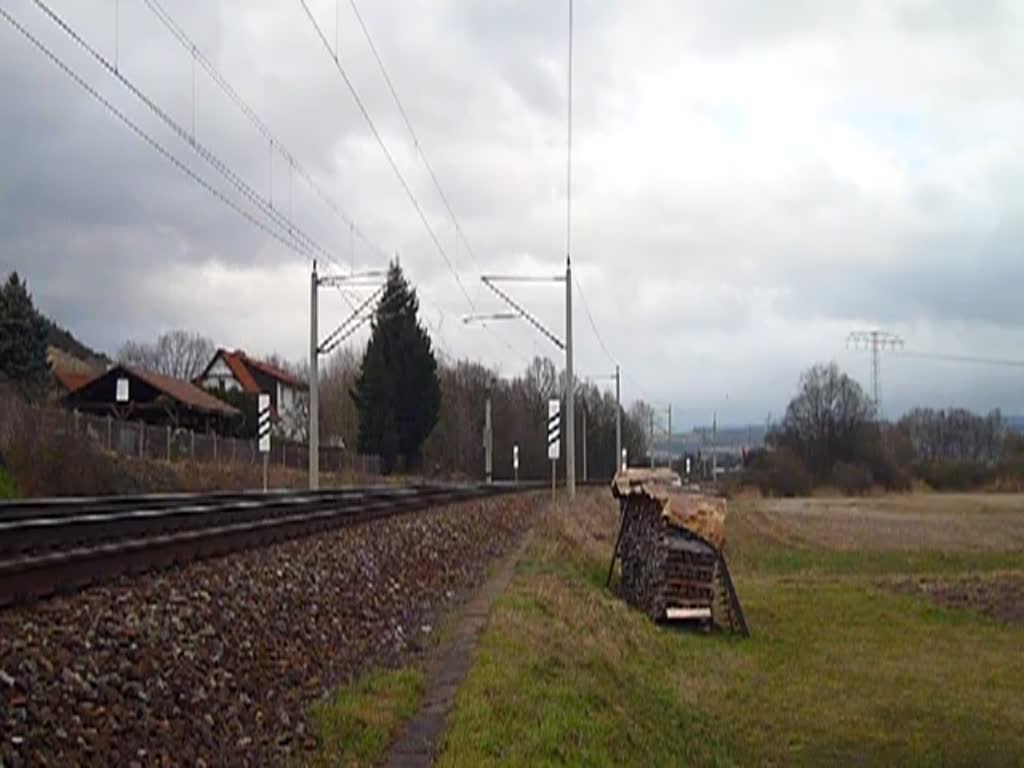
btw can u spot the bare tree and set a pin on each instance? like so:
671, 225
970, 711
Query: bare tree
181, 354
825, 420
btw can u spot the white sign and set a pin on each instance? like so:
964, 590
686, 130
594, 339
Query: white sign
554, 429
625, 463
687, 465
122, 390
515, 456
263, 422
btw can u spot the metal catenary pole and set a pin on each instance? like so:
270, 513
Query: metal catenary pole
488, 442
584, 415
652, 439
314, 389
570, 431
618, 421
670, 435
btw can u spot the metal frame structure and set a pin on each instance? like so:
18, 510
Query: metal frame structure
359, 316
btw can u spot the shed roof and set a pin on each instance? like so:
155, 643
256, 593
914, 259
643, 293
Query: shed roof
72, 380
184, 392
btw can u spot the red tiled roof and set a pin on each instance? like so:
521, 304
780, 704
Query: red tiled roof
72, 380
272, 370
184, 392
235, 362
242, 366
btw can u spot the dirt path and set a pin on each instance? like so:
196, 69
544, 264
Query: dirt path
448, 666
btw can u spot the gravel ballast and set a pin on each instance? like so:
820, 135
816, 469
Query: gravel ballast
214, 663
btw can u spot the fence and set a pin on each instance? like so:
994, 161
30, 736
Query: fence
145, 441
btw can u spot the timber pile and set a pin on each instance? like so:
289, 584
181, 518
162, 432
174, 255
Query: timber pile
670, 547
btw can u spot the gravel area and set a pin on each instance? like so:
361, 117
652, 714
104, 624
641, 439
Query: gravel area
214, 663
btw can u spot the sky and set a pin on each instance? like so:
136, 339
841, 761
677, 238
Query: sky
750, 183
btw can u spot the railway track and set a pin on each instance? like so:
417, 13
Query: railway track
61, 545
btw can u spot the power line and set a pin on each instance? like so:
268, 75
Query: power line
412, 132
190, 47
266, 207
593, 325
153, 143
963, 359
387, 153
459, 231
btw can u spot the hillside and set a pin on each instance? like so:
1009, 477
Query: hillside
61, 338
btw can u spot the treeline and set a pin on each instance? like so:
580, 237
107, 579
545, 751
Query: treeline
518, 416
830, 436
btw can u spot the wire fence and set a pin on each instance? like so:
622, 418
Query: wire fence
166, 443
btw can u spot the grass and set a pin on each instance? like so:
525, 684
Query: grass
839, 671
355, 728
8, 488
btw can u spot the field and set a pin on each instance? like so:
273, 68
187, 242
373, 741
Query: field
886, 632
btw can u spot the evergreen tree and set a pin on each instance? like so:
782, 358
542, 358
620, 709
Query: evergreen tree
22, 338
397, 393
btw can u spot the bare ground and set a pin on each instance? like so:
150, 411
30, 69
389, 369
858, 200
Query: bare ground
999, 596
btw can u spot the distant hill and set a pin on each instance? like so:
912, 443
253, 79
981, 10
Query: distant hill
65, 341
1015, 423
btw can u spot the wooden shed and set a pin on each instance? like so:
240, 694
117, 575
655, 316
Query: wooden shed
131, 393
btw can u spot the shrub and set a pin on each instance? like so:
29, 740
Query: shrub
852, 479
956, 475
779, 473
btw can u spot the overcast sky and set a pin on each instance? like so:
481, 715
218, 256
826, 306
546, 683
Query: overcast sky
752, 181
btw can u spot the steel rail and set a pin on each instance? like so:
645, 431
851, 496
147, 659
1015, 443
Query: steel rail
42, 556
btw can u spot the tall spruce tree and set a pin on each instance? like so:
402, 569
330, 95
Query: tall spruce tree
397, 393
22, 339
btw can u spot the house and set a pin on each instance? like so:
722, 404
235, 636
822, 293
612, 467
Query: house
235, 371
132, 393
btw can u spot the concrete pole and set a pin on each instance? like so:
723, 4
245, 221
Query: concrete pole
670, 435
488, 442
314, 385
651, 451
618, 421
570, 397
584, 442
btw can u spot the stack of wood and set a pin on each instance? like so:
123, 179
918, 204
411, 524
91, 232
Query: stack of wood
669, 545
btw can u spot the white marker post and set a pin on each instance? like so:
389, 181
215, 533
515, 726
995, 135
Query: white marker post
625, 459
554, 438
263, 433
515, 461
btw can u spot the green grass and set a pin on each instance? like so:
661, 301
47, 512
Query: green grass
8, 488
837, 672
809, 562
356, 727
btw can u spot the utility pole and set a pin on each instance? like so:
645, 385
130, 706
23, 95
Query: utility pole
488, 442
618, 422
570, 457
670, 435
314, 384
359, 317
652, 439
570, 405
584, 442
875, 341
